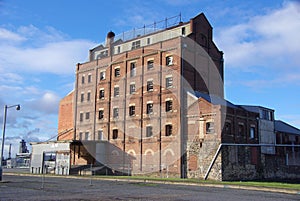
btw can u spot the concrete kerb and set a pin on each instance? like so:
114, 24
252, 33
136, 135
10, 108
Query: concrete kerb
225, 186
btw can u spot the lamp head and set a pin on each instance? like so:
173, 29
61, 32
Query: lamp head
18, 107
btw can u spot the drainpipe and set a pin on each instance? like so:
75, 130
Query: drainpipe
75, 101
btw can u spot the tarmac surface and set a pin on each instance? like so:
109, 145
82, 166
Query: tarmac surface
39, 187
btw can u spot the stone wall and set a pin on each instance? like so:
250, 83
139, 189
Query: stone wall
275, 168
240, 163
199, 156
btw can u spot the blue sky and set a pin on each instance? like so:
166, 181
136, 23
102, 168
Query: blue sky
41, 42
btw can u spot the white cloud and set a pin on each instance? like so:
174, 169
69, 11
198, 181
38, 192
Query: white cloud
282, 80
270, 39
47, 103
9, 36
11, 78
47, 51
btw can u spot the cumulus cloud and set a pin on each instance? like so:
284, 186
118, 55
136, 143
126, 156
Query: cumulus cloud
271, 39
48, 51
9, 36
46, 104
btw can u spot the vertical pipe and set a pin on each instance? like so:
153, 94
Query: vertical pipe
75, 101
124, 115
160, 126
142, 109
95, 102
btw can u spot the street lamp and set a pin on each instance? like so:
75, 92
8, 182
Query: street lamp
18, 107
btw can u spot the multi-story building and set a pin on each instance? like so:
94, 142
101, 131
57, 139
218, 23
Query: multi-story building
152, 102
132, 93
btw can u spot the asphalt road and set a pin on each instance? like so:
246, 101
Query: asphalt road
15, 187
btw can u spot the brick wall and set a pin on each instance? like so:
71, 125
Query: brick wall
66, 118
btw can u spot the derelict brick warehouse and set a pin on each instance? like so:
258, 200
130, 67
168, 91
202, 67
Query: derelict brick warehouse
133, 93
151, 102
136, 94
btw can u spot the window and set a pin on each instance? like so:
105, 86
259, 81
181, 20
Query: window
82, 97
119, 49
150, 85
183, 31
149, 131
132, 69
102, 75
116, 91
132, 88
116, 112
82, 79
168, 130
149, 108
148, 41
86, 136
150, 64
101, 114
169, 105
88, 96
117, 72
136, 44
266, 114
80, 136
228, 127
131, 110
169, 60
115, 133
210, 127
87, 115
100, 134
104, 53
169, 82
252, 132
241, 130
89, 78
81, 117
101, 94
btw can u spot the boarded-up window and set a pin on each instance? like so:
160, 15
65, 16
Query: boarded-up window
193, 162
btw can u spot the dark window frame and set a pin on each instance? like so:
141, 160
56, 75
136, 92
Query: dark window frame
169, 82
102, 75
101, 94
169, 60
132, 69
87, 115
116, 91
150, 85
210, 127
132, 88
115, 134
150, 64
132, 110
117, 72
169, 129
116, 112
169, 106
149, 131
149, 108
101, 114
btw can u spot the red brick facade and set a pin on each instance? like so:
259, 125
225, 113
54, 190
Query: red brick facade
66, 118
135, 100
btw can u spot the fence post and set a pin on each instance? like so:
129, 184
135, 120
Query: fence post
91, 174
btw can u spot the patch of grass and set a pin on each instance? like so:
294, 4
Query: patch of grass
266, 184
279, 185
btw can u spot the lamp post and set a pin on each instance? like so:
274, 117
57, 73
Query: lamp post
18, 107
